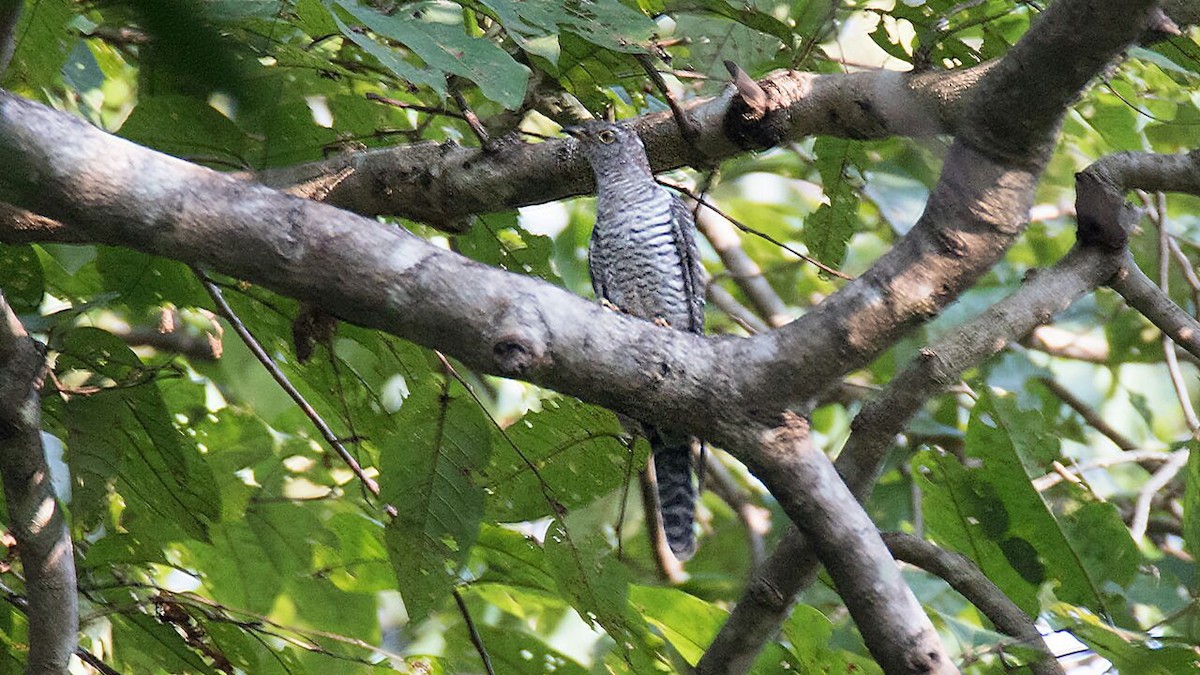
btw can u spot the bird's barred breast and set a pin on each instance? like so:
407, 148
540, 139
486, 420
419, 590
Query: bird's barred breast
644, 271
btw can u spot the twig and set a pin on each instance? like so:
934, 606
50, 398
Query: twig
687, 126
1146, 297
403, 105
742, 268
1158, 215
755, 519
1067, 345
1089, 415
1189, 273
472, 119
1142, 457
762, 235
282, 380
474, 633
669, 568
1145, 498
736, 311
965, 577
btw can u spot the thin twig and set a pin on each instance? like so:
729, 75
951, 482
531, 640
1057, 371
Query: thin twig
687, 126
668, 566
1189, 273
472, 119
1145, 499
755, 519
1158, 215
965, 577
282, 380
736, 311
762, 235
474, 633
742, 269
1141, 457
1089, 415
404, 105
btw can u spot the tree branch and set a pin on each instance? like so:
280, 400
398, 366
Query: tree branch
792, 567
439, 183
965, 577
34, 514
891, 620
10, 14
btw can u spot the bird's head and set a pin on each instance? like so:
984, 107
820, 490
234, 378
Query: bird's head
606, 144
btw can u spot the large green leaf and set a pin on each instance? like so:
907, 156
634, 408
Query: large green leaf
993, 513
21, 278
689, 623
1129, 651
578, 455
589, 575
449, 49
432, 477
605, 23
124, 432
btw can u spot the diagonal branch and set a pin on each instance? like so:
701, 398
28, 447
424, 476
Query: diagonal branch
793, 566
964, 576
34, 514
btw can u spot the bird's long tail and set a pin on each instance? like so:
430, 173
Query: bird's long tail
676, 494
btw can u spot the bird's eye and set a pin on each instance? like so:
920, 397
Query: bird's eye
607, 136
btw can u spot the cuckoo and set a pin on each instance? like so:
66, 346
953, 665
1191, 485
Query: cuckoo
644, 261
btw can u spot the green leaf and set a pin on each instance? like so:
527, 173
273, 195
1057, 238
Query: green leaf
605, 23
517, 652
688, 623
124, 432
147, 282
512, 558
827, 231
598, 587
178, 126
43, 45
145, 645
21, 278
497, 240
811, 634
1129, 651
994, 515
577, 451
432, 478
450, 50
1191, 502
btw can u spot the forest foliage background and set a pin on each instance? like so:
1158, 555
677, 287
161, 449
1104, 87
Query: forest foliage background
216, 530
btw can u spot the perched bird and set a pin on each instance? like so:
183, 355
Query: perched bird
644, 261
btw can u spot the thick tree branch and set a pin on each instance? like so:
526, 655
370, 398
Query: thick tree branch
965, 577
34, 514
892, 622
439, 183
793, 566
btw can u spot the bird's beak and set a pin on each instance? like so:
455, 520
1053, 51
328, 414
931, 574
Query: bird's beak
574, 132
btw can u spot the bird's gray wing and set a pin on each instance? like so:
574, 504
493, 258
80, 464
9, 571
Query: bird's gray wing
683, 226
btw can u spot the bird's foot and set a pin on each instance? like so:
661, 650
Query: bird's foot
609, 306
659, 321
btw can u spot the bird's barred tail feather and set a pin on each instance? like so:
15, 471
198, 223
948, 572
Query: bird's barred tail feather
676, 493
